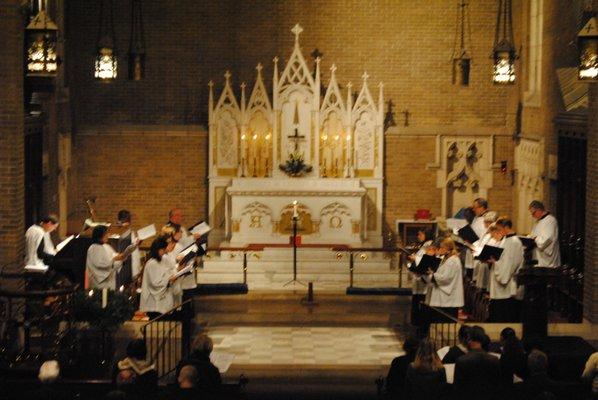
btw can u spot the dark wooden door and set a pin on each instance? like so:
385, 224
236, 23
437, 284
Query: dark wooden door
33, 170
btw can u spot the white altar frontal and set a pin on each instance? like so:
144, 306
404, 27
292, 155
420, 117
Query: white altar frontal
318, 147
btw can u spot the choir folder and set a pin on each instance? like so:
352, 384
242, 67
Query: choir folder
489, 252
427, 262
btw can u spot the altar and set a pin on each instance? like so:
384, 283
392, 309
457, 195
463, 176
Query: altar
306, 142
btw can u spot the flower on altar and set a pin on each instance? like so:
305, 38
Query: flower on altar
295, 165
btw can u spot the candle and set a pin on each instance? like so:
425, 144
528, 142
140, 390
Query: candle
121, 288
91, 293
295, 211
104, 297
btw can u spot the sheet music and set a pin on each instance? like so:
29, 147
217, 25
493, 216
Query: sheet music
454, 224
36, 268
61, 245
146, 232
192, 248
187, 270
201, 229
130, 249
222, 360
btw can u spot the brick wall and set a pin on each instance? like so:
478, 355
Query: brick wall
11, 133
147, 170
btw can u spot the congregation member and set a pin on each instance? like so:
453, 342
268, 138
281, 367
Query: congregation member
426, 377
590, 374
103, 261
186, 388
513, 360
135, 368
209, 381
502, 285
39, 247
49, 380
546, 236
395, 380
477, 373
538, 381
447, 282
420, 286
159, 287
132, 265
456, 351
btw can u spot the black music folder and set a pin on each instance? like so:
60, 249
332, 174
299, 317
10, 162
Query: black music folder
489, 252
468, 234
527, 242
427, 262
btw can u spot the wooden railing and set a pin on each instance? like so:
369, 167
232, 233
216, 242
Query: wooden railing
167, 338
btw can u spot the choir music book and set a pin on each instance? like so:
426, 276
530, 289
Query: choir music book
66, 241
527, 242
490, 252
468, 234
146, 232
201, 228
42, 268
184, 271
427, 262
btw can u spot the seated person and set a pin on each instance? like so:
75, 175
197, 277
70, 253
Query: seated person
538, 381
426, 376
395, 380
209, 381
39, 247
187, 384
460, 348
144, 373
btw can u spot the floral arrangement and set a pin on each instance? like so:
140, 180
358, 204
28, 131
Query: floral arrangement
87, 307
295, 165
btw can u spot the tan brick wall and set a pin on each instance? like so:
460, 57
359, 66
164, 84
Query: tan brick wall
12, 214
147, 171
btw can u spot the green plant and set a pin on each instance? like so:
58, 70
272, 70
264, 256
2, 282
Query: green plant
87, 307
295, 165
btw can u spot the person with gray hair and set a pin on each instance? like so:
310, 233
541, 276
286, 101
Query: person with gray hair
546, 236
209, 382
49, 388
538, 381
49, 372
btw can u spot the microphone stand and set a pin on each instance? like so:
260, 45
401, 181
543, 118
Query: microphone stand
294, 280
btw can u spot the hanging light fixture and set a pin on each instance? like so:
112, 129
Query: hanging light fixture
461, 57
137, 43
587, 43
41, 37
105, 67
504, 53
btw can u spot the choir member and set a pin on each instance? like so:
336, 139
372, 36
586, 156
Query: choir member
175, 232
39, 247
420, 286
102, 261
480, 270
546, 236
131, 266
502, 284
159, 288
447, 281
479, 209
176, 219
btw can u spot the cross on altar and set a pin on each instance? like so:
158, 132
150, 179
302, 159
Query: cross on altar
296, 138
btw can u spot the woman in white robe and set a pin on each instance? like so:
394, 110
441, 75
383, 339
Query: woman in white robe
102, 261
420, 286
447, 282
159, 289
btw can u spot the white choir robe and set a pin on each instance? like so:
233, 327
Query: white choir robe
447, 285
170, 259
546, 234
480, 270
502, 283
419, 285
188, 281
135, 257
33, 238
156, 294
187, 238
101, 267
479, 227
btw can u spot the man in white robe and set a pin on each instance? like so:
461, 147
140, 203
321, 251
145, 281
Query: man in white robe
502, 283
39, 247
546, 236
480, 271
480, 208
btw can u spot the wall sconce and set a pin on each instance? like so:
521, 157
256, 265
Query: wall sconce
461, 57
587, 43
137, 43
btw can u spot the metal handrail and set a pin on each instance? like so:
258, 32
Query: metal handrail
163, 346
443, 327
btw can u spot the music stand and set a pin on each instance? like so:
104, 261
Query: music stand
294, 280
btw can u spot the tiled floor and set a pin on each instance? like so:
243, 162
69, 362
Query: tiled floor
311, 346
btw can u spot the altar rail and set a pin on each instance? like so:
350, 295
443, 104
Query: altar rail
443, 327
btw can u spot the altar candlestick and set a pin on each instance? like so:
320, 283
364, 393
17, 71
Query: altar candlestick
254, 167
295, 210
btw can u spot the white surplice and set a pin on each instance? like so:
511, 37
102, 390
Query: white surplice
479, 227
156, 293
546, 234
33, 238
101, 266
480, 269
447, 284
502, 284
419, 285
